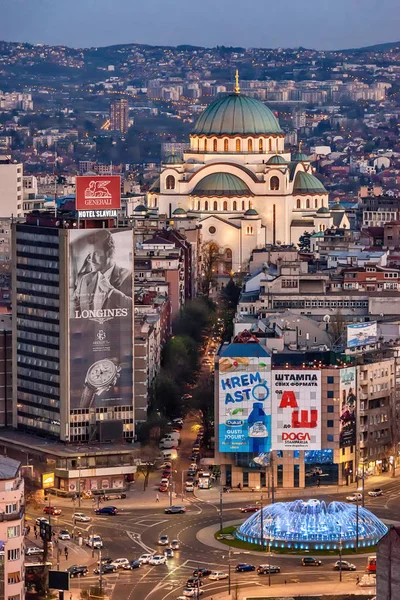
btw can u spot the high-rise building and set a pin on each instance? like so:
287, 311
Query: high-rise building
119, 113
5, 371
11, 192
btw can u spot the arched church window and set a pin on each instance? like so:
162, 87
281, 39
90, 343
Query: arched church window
250, 145
170, 182
205, 145
215, 145
316, 203
274, 183
298, 203
198, 205
215, 205
270, 144
206, 205
225, 205
234, 205
308, 203
226, 145
155, 202
243, 205
238, 148
198, 144
260, 145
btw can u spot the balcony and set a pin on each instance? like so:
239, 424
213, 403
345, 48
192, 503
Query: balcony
12, 516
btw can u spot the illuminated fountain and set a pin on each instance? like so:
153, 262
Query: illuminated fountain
312, 524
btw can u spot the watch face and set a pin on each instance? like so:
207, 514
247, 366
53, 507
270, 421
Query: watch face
101, 373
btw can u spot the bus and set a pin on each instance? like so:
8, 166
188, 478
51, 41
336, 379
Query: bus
371, 564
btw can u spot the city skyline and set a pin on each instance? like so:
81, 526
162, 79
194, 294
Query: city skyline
210, 25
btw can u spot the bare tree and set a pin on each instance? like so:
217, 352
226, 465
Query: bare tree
210, 255
337, 327
147, 456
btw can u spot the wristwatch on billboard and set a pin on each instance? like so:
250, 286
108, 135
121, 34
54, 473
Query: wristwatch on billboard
100, 377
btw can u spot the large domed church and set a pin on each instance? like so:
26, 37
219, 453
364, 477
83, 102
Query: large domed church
237, 179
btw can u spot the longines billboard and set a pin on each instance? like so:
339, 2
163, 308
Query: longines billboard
100, 319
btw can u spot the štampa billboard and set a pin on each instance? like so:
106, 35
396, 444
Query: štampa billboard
296, 410
244, 404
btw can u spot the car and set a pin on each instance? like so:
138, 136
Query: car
52, 510
175, 545
189, 487
244, 567
105, 561
217, 575
157, 559
194, 582
40, 520
190, 592
165, 465
120, 562
163, 488
375, 492
81, 518
77, 571
196, 448
189, 480
94, 541
194, 455
105, 569
346, 566
310, 561
163, 540
193, 466
173, 510
191, 472
64, 535
144, 559
134, 564
166, 474
202, 572
114, 496
164, 481
354, 497
33, 550
250, 508
169, 553
265, 569
106, 510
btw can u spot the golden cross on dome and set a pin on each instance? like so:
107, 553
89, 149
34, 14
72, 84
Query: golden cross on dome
237, 86
300, 146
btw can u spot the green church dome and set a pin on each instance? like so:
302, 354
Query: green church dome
339, 207
300, 157
173, 159
221, 184
276, 160
237, 115
251, 212
179, 211
305, 183
323, 211
140, 208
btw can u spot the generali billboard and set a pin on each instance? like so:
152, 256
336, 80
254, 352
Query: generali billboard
98, 192
296, 409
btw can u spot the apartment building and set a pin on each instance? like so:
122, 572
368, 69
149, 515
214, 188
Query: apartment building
11, 192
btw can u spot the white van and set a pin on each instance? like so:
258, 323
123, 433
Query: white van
167, 444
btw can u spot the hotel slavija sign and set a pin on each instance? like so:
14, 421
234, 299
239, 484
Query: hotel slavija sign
296, 410
244, 404
97, 214
100, 318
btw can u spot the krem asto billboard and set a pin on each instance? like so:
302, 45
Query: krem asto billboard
100, 318
244, 404
98, 192
296, 410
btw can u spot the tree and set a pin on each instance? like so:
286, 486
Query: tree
203, 401
165, 395
230, 294
337, 326
304, 242
210, 252
148, 456
181, 358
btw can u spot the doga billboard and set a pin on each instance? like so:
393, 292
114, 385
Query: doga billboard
296, 410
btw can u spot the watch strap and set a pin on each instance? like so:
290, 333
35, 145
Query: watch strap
87, 397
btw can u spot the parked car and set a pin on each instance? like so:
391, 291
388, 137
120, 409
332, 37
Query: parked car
40, 520
33, 550
163, 540
163, 488
346, 566
189, 487
310, 561
354, 497
217, 575
144, 559
52, 510
81, 518
77, 571
244, 567
157, 559
114, 496
106, 510
134, 564
172, 510
105, 569
191, 592
202, 572
120, 562
265, 569
250, 508
175, 545
375, 492
64, 535
94, 541
164, 481
194, 582
105, 561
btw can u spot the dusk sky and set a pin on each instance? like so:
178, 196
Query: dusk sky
321, 24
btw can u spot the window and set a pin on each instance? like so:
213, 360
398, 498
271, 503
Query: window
198, 205
10, 508
215, 205
298, 203
14, 577
250, 146
330, 437
279, 472
329, 423
225, 145
205, 145
212, 229
245, 479
330, 379
296, 453
331, 408
274, 183
238, 145
225, 205
170, 182
243, 205
330, 394
17, 597
215, 145
234, 205
296, 476
206, 205
316, 203
279, 454
308, 203
249, 231
270, 144
13, 531
260, 146
13, 554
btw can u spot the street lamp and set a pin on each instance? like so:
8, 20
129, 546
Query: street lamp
79, 481
340, 552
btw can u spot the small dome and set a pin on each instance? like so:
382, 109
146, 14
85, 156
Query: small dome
251, 212
140, 208
237, 114
179, 211
276, 160
339, 207
173, 159
323, 211
300, 157
221, 184
305, 183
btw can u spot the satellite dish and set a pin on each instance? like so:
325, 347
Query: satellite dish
326, 318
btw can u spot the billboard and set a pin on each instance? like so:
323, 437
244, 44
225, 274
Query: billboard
244, 404
361, 334
47, 480
98, 192
348, 405
296, 410
101, 317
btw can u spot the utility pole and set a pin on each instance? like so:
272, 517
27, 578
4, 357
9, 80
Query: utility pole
262, 523
356, 523
221, 524
100, 573
272, 477
229, 571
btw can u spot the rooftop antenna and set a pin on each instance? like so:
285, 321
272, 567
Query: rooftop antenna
237, 86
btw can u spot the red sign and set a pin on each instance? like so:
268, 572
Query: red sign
98, 192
